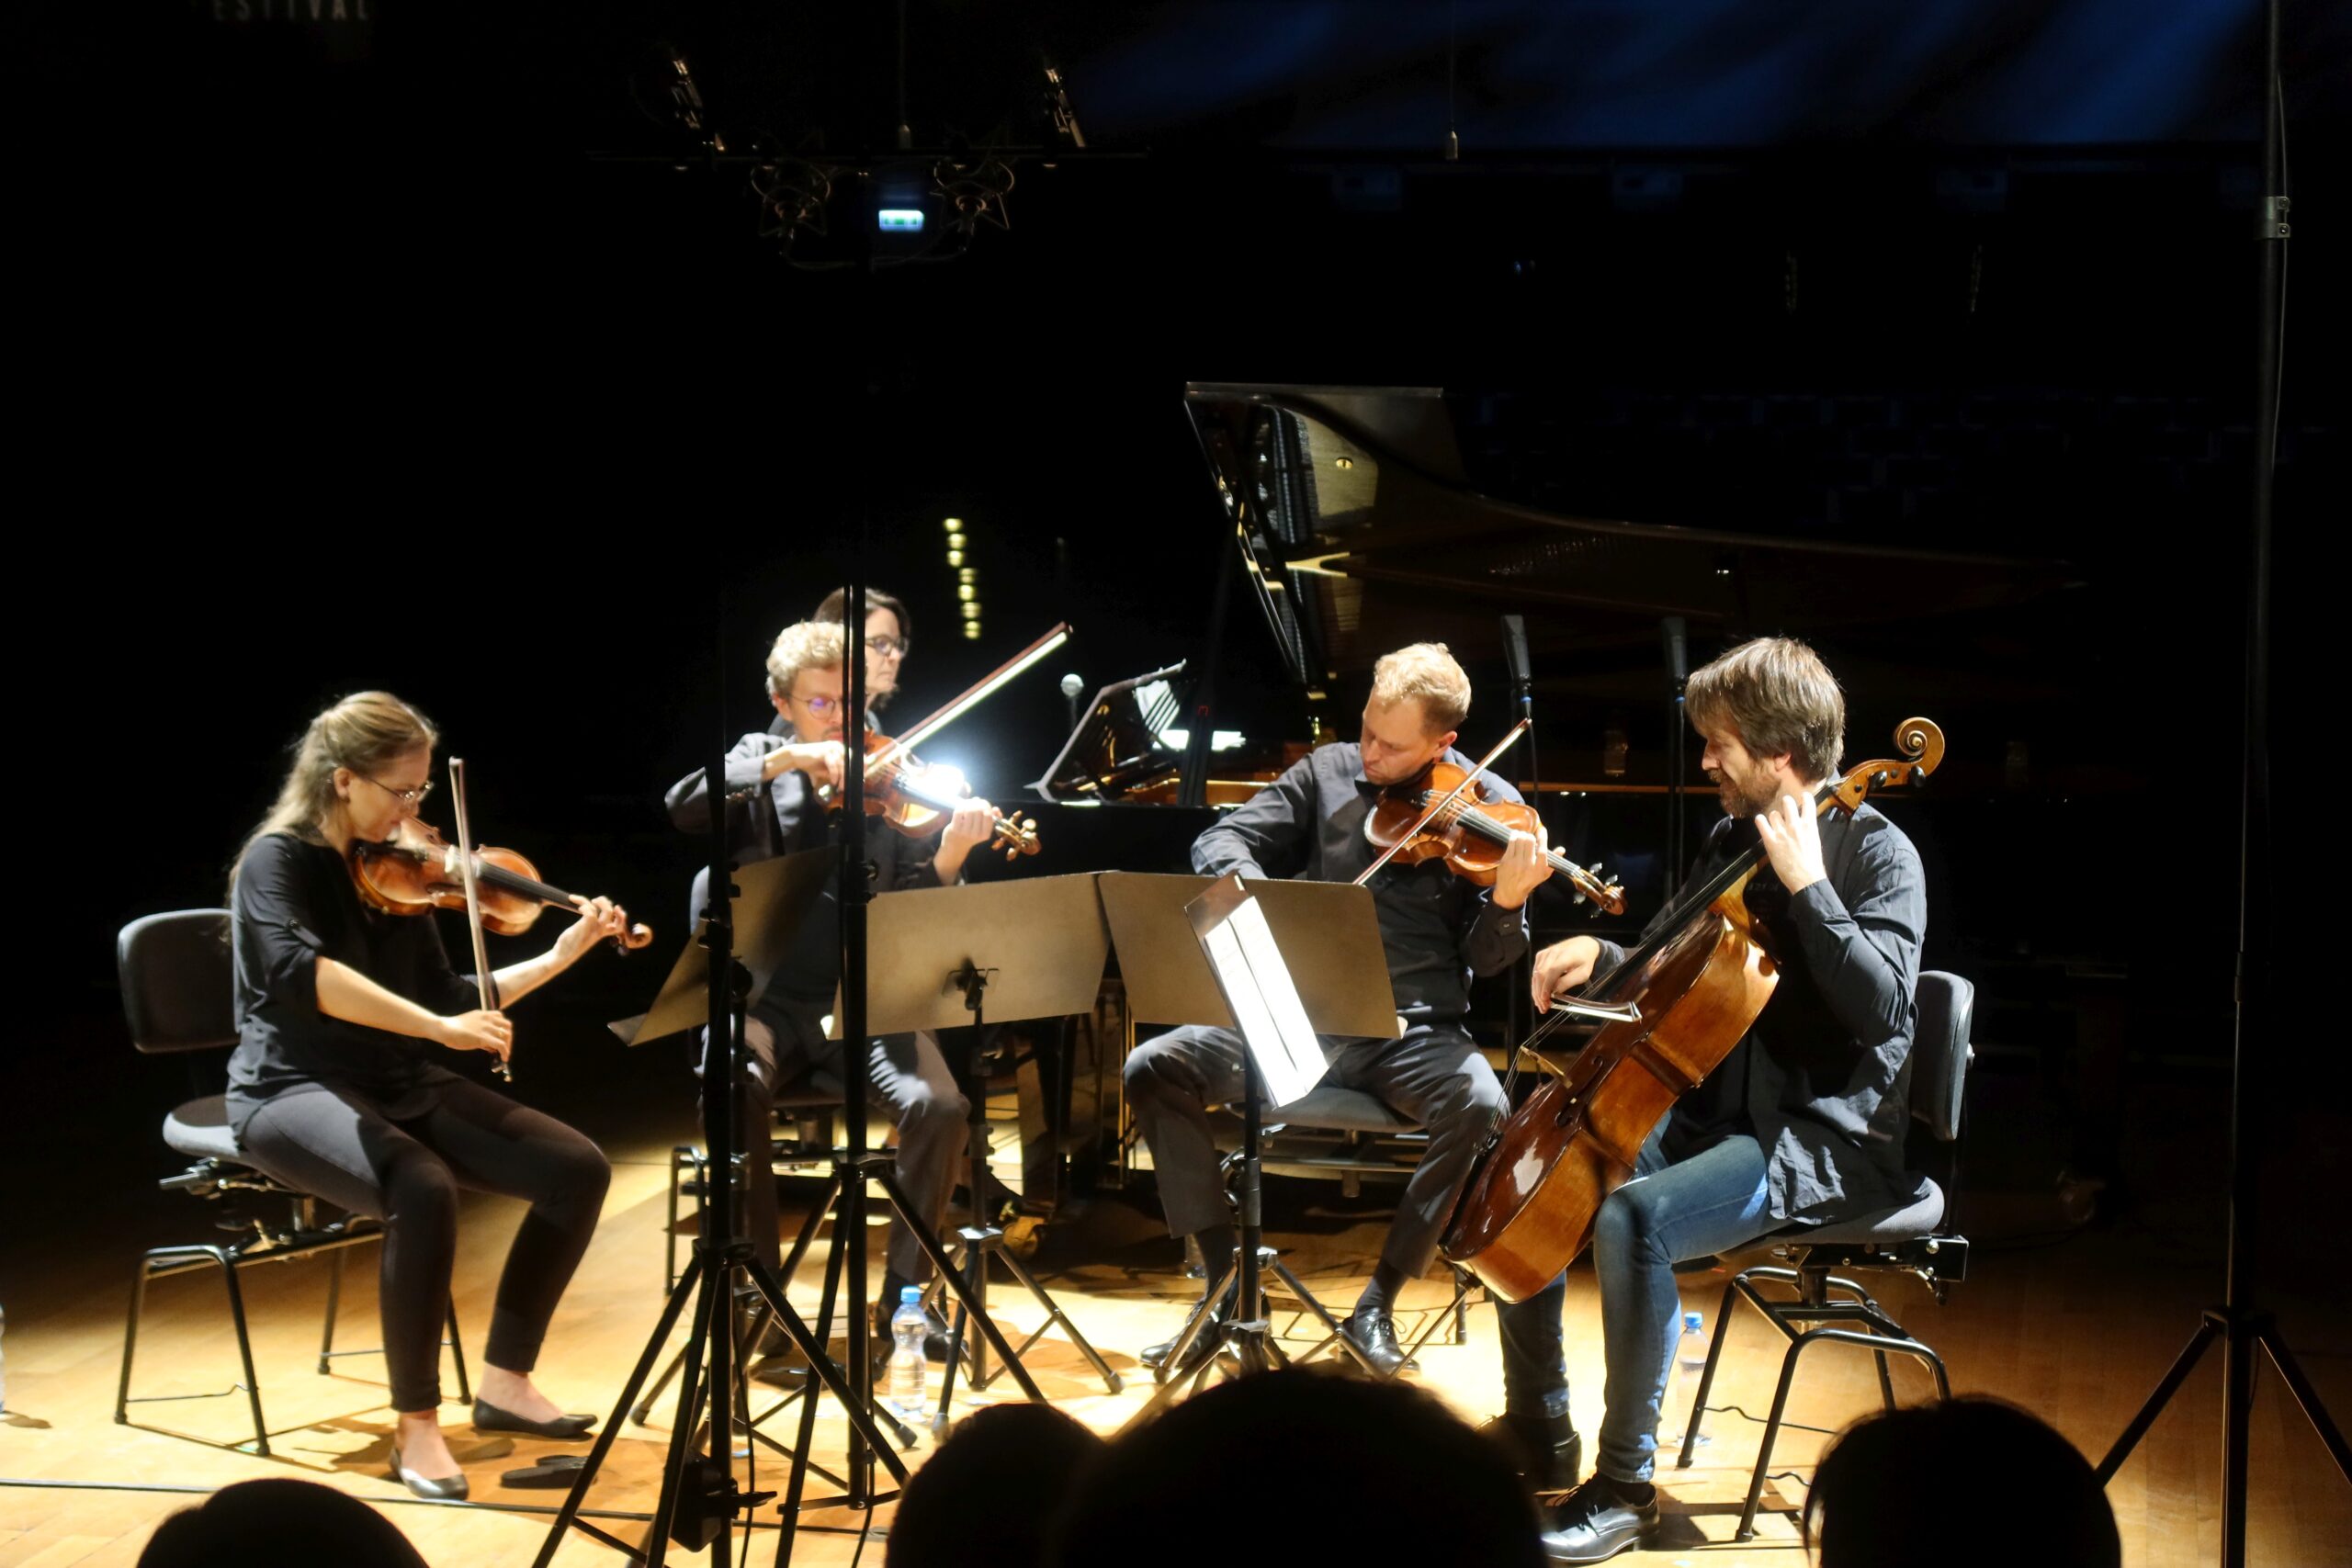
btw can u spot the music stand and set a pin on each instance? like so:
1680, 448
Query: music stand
1320, 943
768, 902
939, 957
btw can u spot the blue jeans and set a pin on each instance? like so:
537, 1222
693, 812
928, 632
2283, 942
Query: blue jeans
1666, 1215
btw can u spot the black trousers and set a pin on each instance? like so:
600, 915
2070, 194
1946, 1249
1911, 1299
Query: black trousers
345, 1148
1432, 1074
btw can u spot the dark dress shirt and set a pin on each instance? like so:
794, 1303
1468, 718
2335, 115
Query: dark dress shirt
1822, 1080
294, 905
1439, 928
778, 817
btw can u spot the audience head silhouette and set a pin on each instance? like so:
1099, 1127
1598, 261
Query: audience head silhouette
987, 1499
261, 1524
1298, 1466
1904, 1487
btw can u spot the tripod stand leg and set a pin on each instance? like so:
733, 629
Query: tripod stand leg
824, 1368
2183, 1364
954, 1280
1054, 1313
679, 1295
2291, 1373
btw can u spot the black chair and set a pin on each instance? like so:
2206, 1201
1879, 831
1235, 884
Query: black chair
177, 998
1911, 1239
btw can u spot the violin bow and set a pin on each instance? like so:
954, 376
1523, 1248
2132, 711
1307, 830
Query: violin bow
1505, 744
485, 984
916, 734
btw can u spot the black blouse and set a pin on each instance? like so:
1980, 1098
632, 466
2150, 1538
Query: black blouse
294, 905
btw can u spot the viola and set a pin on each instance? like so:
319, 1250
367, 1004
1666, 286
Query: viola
418, 869
1671, 1012
1447, 812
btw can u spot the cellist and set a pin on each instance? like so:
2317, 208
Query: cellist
1802, 1123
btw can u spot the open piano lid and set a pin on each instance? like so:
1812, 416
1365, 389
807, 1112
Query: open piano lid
1359, 532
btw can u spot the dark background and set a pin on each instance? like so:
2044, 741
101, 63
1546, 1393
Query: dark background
433, 357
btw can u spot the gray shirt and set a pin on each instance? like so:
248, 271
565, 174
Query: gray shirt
1439, 928
766, 817
1822, 1080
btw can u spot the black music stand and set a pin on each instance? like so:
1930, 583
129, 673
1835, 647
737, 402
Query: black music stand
938, 957
768, 902
1320, 942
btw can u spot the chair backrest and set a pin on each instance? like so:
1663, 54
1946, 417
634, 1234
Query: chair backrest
1940, 1051
178, 988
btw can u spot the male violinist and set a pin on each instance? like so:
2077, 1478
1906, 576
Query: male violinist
1800, 1125
773, 809
1438, 928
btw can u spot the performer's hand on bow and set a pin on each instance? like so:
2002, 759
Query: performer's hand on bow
1562, 967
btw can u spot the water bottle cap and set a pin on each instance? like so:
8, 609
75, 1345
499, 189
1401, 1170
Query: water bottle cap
910, 1294
1690, 1322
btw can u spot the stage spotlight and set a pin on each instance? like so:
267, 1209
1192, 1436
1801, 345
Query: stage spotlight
954, 558
954, 524
971, 631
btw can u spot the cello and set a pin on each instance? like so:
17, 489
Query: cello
1693, 989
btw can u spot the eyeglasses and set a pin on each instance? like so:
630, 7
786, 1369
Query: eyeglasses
885, 645
409, 797
819, 705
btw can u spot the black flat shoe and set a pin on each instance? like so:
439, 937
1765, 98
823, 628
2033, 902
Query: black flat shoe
431, 1488
488, 1418
1546, 1452
1595, 1522
1377, 1337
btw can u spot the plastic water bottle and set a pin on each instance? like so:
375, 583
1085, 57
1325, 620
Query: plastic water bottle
1689, 1365
907, 1326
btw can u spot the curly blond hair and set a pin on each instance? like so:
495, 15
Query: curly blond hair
806, 644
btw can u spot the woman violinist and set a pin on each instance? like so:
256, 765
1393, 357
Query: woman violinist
331, 1093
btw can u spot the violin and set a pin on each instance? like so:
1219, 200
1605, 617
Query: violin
916, 798
1670, 1014
1468, 830
418, 869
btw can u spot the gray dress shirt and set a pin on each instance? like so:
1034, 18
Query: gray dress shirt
1439, 928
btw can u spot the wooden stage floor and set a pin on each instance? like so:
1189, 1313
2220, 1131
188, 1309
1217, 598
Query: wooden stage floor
2077, 1331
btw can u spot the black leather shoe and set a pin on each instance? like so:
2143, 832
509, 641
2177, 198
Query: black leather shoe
1377, 1337
431, 1488
488, 1418
1156, 1355
1594, 1523
1545, 1449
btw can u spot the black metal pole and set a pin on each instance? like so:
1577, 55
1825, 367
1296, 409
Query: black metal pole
2239, 1348
856, 888
1675, 631
720, 1123
2244, 1330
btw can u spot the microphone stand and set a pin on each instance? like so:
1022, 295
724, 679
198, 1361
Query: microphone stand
1678, 734
2248, 1332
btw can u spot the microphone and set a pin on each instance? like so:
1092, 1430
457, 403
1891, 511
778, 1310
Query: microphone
1072, 689
1522, 672
1677, 652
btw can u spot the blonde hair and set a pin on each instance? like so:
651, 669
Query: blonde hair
1426, 673
1778, 696
808, 644
363, 732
